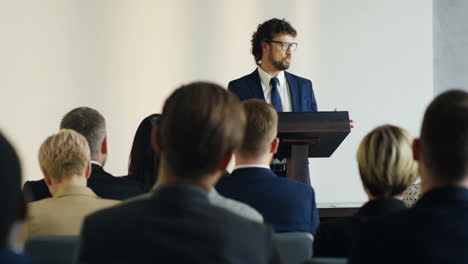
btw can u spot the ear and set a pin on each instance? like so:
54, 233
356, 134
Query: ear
154, 139
416, 149
47, 178
224, 163
88, 171
104, 146
274, 145
264, 45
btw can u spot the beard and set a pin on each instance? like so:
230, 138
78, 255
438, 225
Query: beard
280, 65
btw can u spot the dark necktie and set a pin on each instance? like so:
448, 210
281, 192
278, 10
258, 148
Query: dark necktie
275, 96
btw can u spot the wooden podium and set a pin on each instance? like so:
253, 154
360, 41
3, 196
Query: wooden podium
309, 134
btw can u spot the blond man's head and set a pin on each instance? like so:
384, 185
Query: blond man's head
261, 129
385, 159
64, 155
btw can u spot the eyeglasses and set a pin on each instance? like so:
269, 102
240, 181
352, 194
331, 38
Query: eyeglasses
286, 45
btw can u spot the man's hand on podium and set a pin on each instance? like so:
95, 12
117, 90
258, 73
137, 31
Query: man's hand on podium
351, 122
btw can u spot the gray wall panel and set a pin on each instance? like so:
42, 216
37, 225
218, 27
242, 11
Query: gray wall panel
450, 18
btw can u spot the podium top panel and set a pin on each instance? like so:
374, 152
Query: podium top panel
313, 122
323, 132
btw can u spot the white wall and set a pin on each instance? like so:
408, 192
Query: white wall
371, 57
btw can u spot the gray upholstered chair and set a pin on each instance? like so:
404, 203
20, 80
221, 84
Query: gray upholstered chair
326, 261
52, 249
294, 247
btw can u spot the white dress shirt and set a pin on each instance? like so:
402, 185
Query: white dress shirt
251, 166
283, 88
96, 163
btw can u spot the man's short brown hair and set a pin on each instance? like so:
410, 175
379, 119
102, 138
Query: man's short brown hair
444, 136
64, 154
201, 123
261, 128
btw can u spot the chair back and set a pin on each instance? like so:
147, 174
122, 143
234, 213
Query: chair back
326, 261
294, 247
52, 249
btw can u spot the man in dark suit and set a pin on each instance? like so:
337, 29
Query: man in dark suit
272, 47
285, 203
201, 125
435, 230
91, 124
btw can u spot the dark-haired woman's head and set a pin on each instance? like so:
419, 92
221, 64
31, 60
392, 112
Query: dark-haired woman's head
144, 162
10, 194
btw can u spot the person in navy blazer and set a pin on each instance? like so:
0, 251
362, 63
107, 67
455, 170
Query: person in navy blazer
272, 47
286, 204
435, 230
300, 89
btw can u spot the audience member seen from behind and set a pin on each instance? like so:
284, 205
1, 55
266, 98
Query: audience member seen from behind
435, 229
10, 193
387, 168
65, 162
285, 203
144, 166
200, 127
143, 163
92, 125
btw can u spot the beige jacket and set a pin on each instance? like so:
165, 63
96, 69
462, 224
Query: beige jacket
64, 213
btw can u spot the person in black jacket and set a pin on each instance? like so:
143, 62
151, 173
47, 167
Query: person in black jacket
200, 127
435, 230
387, 168
11, 202
91, 124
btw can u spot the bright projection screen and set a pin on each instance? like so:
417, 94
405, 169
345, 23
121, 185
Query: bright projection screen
372, 58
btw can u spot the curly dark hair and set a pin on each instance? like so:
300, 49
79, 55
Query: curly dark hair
266, 32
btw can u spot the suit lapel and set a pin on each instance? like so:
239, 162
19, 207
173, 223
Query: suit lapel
255, 85
293, 90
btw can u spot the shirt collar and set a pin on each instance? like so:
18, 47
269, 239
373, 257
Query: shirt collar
96, 163
183, 185
251, 166
265, 77
75, 190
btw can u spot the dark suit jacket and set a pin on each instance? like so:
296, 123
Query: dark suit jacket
286, 204
337, 237
302, 93
102, 183
7, 256
435, 230
177, 224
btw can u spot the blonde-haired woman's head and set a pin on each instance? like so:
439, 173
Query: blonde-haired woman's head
64, 155
385, 160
